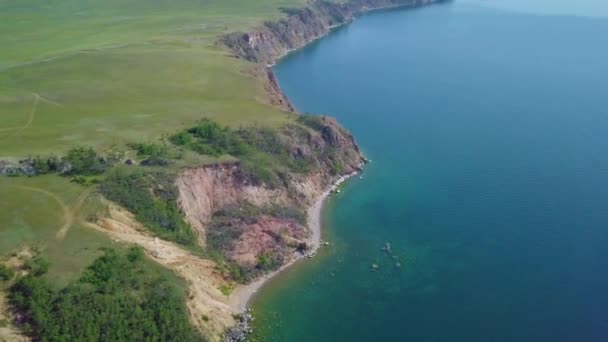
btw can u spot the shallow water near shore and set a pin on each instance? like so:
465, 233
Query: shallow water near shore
487, 131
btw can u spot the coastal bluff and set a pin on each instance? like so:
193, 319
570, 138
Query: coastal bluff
300, 26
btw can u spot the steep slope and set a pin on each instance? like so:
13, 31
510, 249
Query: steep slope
248, 222
300, 26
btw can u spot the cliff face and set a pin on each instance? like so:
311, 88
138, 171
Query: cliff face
300, 26
248, 222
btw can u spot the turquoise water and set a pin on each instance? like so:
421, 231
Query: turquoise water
488, 134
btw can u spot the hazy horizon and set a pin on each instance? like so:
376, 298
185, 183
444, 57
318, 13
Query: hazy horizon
585, 8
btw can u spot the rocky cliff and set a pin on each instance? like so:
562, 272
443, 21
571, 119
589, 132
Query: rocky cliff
256, 226
300, 26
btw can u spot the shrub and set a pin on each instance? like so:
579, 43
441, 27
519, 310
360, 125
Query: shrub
84, 161
37, 266
181, 138
265, 158
6, 273
269, 262
226, 289
313, 121
152, 198
45, 164
118, 298
154, 154
258, 173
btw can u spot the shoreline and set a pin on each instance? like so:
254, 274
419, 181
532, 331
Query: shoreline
242, 295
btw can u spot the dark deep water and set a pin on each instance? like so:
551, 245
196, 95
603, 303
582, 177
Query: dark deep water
488, 131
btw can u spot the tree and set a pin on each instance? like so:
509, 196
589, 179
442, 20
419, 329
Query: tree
84, 161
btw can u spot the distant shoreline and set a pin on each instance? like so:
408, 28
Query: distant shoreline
241, 296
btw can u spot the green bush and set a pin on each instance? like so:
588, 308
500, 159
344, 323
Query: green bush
265, 158
181, 138
6, 273
257, 173
37, 266
84, 161
269, 262
43, 165
154, 154
118, 298
152, 197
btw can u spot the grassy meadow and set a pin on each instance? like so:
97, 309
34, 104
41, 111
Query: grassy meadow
47, 213
107, 73
111, 72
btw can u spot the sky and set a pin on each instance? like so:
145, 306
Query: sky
586, 8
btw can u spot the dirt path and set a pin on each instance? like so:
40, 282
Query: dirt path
30, 119
68, 212
72, 212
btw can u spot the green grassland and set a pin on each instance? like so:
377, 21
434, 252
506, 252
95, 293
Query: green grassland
105, 73
111, 72
46, 213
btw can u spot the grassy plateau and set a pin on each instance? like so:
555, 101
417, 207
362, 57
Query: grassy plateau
108, 74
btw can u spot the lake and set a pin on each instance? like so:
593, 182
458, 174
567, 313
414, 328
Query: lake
487, 124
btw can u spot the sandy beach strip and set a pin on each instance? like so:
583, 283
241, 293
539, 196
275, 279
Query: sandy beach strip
240, 297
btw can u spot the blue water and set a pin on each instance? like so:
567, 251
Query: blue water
488, 134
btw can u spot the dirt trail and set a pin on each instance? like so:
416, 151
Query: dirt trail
49, 101
207, 305
73, 211
29, 120
68, 212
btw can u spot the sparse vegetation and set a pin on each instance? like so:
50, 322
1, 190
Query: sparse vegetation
152, 197
228, 224
226, 289
269, 262
265, 157
313, 121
